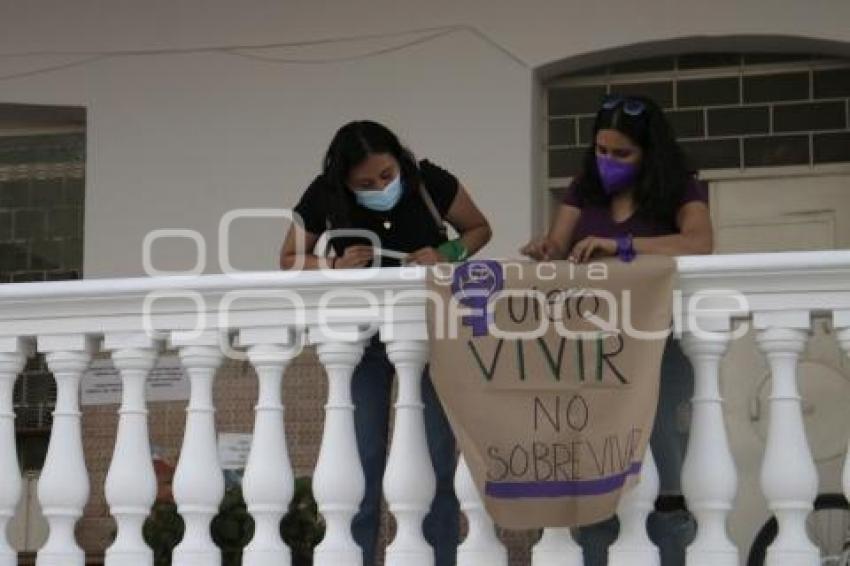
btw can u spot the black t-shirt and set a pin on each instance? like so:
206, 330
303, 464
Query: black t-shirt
407, 227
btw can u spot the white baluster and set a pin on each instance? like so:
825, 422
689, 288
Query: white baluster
709, 478
481, 546
842, 324
409, 480
556, 548
268, 483
131, 482
788, 476
338, 482
13, 356
198, 480
63, 488
633, 547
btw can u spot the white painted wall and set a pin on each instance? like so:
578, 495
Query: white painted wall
177, 140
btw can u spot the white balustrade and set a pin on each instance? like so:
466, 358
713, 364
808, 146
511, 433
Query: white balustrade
556, 548
13, 356
789, 477
709, 478
338, 482
63, 488
841, 322
198, 481
409, 481
481, 545
633, 547
268, 483
131, 482
781, 293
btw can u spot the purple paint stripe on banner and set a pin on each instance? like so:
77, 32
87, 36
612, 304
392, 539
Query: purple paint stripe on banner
577, 488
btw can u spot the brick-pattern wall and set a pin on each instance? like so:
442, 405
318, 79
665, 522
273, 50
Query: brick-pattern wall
42, 201
235, 395
729, 111
304, 395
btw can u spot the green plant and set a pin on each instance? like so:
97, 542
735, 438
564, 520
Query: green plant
233, 528
302, 528
162, 531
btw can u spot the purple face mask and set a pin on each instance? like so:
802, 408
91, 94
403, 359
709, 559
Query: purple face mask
615, 175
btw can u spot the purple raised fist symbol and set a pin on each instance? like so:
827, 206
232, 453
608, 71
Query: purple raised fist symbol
474, 283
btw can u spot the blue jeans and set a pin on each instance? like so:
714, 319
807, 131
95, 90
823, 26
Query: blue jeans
371, 389
672, 531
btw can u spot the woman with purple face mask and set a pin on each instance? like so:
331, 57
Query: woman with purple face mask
635, 196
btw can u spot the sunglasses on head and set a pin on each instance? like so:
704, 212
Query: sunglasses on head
631, 106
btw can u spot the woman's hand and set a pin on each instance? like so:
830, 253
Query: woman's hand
353, 257
425, 256
541, 249
592, 247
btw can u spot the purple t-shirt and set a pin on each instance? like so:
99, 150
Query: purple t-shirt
596, 220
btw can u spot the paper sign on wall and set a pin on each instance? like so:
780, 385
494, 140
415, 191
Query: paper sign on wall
233, 450
101, 384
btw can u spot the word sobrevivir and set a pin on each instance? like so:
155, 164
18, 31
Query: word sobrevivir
561, 461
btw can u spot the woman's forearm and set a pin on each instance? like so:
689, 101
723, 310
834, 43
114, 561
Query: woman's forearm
476, 238
558, 247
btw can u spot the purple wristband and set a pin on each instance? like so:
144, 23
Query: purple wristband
626, 248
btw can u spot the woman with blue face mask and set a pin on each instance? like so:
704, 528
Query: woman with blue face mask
370, 182
634, 196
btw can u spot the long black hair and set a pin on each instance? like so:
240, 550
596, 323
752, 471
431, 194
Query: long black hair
351, 145
664, 174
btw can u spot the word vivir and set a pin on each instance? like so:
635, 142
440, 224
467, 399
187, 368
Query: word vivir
582, 359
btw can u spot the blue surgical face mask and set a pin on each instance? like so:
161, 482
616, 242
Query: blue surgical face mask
382, 200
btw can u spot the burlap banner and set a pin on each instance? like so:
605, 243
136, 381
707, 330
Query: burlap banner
549, 374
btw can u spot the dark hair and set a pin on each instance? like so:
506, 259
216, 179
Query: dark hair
663, 174
352, 144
